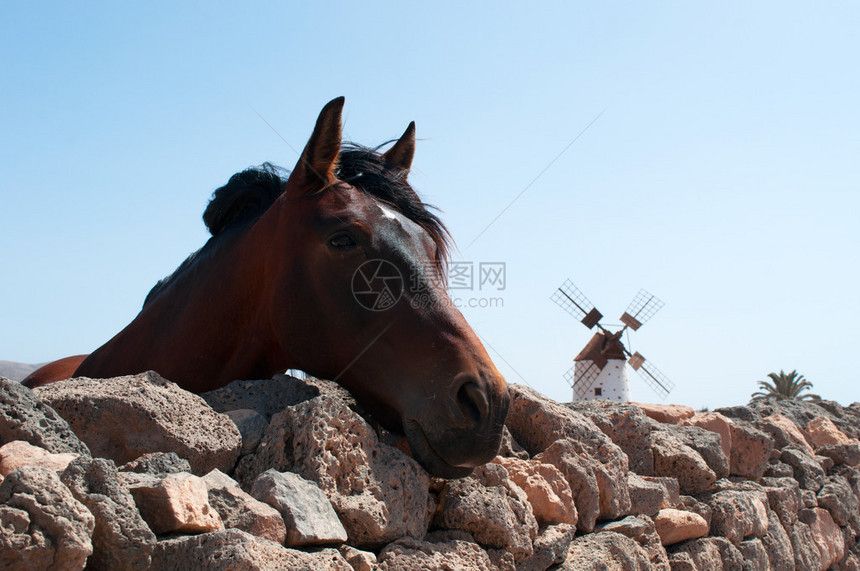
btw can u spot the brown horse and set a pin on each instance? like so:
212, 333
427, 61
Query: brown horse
330, 273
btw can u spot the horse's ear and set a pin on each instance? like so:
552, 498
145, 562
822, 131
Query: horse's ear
399, 157
315, 168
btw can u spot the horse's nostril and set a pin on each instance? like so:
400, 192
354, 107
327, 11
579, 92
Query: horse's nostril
472, 401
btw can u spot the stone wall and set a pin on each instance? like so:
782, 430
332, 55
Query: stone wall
135, 473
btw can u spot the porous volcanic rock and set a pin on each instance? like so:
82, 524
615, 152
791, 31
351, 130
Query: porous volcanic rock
243, 511
23, 416
537, 422
176, 503
751, 449
42, 525
546, 488
308, 514
605, 551
125, 417
493, 509
235, 550
666, 413
379, 493
674, 526
674, 458
121, 539
446, 552
19, 453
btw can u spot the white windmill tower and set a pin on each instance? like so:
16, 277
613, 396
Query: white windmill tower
599, 371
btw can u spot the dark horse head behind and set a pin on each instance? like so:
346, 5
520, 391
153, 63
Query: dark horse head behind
339, 271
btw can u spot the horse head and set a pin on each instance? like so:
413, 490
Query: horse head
369, 264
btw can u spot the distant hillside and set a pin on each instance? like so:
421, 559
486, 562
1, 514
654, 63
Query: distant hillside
16, 371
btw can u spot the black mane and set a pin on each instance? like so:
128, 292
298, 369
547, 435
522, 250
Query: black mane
248, 194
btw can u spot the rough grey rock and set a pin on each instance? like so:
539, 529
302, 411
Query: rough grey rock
807, 471
121, 539
648, 495
627, 426
674, 458
490, 507
241, 510
550, 548
711, 553
755, 555
157, 464
42, 525
267, 397
641, 529
24, 417
708, 444
737, 515
379, 493
235, 550
607, 551
848, 454
837, 497
307, 512
251, 425
777, 545
783, 497
806, 554
443, 552
125, 417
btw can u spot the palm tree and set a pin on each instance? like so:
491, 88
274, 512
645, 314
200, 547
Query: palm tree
784, 386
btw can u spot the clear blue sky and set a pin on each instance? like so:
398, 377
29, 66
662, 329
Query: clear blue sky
723, 175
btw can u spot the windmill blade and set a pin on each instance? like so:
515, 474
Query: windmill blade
582, 376
641, 309
652, 376
573, 301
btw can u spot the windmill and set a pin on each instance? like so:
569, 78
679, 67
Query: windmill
599, 371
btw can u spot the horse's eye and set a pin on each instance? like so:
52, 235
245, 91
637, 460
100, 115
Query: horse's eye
342, 242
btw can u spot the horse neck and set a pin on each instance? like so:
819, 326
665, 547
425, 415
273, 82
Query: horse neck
206, 329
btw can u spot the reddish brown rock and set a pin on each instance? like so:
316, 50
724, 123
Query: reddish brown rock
578, 471
666, 413
125, 417
546, 488
626, 425
42, 525
358, 559
674, 526
825, 534
537, 423
18, 453
177, 503
821, 431
750, 450
785, 432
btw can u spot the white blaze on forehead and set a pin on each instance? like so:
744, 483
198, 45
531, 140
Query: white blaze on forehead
388, 213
